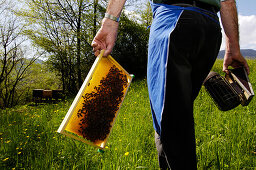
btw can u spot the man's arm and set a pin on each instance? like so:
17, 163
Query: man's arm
106, 36
229, 18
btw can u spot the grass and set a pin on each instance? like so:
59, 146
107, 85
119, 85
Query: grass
225, 140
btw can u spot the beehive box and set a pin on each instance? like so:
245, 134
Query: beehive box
95, 108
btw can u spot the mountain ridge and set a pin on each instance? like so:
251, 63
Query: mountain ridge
247, 53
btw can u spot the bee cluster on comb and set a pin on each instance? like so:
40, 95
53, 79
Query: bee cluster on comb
93, 112
100, 106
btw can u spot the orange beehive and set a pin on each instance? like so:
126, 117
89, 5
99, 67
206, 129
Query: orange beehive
93, 111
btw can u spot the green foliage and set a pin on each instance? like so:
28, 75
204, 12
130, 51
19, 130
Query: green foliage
12, 87
41, 77
224, 140
131, 47
13, 64
146, 15
37, 76
64, 29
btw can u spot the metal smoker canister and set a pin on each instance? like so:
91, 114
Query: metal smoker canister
220, 90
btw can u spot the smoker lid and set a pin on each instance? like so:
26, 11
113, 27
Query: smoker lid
210, 75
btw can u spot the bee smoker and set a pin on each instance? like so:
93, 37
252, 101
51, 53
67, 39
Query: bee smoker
221, 91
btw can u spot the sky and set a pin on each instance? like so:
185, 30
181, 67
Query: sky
247, 24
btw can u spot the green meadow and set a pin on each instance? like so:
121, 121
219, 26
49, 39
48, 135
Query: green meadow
225, 140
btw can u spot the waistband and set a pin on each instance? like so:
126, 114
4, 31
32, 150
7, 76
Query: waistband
192, 3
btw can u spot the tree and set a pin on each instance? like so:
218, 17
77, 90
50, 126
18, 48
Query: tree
146, 15
131, 47
64, 28
132, 41
13, 64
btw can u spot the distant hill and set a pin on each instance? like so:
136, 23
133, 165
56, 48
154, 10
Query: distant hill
248, 53
38, 61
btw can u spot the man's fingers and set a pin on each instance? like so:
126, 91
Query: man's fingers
106, 53
96, 53
96, 48
94, 44
108, 50
225, 68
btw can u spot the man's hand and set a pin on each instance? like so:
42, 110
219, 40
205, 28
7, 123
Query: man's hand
234, 60
105, 37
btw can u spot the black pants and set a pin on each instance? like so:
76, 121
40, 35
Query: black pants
194, 46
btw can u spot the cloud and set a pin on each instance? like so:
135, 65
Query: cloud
247, 27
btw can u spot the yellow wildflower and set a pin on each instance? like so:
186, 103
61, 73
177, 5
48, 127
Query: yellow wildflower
5, 159
126, 153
